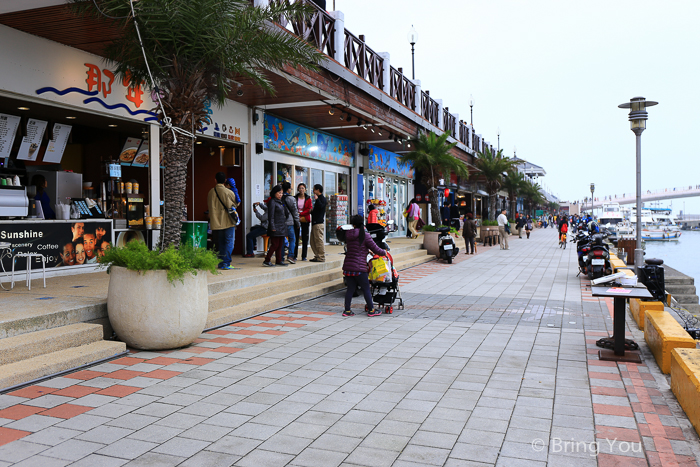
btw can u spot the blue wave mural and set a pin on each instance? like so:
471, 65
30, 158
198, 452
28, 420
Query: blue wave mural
152, 116
67, 91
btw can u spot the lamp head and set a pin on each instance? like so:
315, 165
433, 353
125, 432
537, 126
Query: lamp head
412, 36
638, 114
471, 100
592, 188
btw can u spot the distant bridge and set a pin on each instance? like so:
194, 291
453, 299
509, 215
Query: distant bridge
631, 198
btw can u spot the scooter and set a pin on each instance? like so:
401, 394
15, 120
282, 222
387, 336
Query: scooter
598, 261
583, 247
446, 245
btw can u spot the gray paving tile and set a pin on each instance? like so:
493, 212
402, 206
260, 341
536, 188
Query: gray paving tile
51, 436
42, 461
234, 445
211, 459
104, 434
152, 459
311, 457
156, 434
20, 450
127, 448
73, 450
424, 455
96, 460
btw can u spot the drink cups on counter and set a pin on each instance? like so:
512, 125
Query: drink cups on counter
135, 188
128, 188
149, 223
157, 223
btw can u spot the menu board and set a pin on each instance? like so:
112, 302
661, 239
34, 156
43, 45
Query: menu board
141, 159
31, 143
129, 151
54, 151
8, 130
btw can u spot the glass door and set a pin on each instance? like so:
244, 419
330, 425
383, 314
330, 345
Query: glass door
403, 202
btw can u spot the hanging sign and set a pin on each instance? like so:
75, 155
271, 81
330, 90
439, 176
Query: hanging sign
381, 160
142, 155
29, 148
419, 198
129, 151
8, 130
57, 145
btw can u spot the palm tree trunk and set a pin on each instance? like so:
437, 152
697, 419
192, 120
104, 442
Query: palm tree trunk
176, 156
492, 206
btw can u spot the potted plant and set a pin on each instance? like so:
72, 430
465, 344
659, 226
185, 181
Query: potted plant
430, 239
158, 300
488, 228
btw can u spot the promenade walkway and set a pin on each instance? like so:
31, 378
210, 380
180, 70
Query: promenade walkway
493, 362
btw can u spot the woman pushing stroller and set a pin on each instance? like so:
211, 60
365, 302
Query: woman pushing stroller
358, 242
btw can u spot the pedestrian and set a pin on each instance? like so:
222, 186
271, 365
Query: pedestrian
372, 215
412, 217
519, 223
277, 215
257, 230
528, 226
563, 229
502, 224
220, 202
293, 223
358, 242
469, 233
304, 206
446, 212
318, 220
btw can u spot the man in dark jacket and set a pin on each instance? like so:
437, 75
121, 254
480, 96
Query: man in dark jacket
469, 233
318, 220
519, 224
446, 212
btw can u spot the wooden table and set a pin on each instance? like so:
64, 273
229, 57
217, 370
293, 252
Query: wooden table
619, 295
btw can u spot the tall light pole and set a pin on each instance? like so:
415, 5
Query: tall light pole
412, 39
498, 133
638, 123
471, 110
592, 190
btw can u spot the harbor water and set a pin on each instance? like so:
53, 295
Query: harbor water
681, 255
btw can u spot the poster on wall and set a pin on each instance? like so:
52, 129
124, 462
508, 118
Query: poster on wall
381, 160
57, 145
284, 136
129, 151
64, 244
142, 155
8, 130
31, 143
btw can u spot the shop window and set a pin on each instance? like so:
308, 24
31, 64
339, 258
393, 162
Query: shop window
269, 170
284, 173
301, 175
329, 185
343, 184
316, 178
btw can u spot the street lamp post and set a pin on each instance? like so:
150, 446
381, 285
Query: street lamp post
638, 123
592, 190
412, 39
498, 133
471, 110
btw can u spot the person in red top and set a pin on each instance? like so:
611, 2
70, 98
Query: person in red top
563, 229
372, 215
304, 207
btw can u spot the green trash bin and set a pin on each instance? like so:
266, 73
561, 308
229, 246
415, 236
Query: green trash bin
194, 233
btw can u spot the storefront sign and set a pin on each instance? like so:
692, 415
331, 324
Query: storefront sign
129, 150
360, 194
29, 148
64, 244
54, 151
229, 122
281, 135
8, 130
381, 160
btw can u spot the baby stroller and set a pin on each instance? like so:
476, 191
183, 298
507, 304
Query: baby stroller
384, 283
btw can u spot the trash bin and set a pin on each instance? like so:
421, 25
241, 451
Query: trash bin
194, 233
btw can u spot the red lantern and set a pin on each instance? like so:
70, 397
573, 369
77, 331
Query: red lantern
447, 192
419, 197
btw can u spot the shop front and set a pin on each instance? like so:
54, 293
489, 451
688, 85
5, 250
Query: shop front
388, 185
82, 141
297, 154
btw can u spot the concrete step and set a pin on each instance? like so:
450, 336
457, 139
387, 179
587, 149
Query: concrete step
33, 368
685, 298
692, 307
680, 289
274, 301
33, 344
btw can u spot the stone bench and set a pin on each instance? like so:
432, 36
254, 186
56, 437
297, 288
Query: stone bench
638, 308
663, 334
685, 382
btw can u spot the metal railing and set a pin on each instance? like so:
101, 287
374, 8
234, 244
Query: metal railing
318, 29
363, 61
401, 88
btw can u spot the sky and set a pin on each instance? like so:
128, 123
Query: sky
550, 74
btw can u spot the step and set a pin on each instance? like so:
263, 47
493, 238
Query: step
24, 371
685, 298
680, 289
33, 344
235, 297
692, 307
244, 310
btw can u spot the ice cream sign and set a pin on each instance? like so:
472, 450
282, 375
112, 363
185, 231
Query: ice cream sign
229, 121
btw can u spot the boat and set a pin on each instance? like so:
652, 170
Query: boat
658, 224
611, 215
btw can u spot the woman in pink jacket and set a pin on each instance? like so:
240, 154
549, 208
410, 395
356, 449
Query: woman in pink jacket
412, 217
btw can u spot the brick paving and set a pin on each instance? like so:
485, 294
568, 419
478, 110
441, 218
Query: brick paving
493, 362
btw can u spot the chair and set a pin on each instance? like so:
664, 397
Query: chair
29, 257
5, 252
265, 238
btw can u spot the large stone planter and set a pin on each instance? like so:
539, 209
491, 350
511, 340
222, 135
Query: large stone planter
486, 231
148, 312
430, 242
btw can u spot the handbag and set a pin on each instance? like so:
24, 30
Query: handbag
507, 227
232, 213
420, 223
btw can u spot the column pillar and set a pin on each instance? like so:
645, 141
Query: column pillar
419, 109
338, 36
439, 114
386, 72
154, 174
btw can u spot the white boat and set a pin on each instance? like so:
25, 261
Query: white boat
658, 224
611, 215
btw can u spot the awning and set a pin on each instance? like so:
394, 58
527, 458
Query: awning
481, 192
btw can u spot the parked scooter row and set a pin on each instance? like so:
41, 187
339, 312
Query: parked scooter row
593, 254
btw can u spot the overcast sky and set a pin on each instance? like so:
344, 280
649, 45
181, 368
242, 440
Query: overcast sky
551, 74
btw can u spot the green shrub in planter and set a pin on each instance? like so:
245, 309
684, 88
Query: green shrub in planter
136, 256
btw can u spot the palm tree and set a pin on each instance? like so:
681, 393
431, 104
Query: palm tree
514, 182
533, 195
492, 166
432, 158
194, 51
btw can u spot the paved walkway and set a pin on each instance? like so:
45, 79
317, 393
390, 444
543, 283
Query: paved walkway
493, 362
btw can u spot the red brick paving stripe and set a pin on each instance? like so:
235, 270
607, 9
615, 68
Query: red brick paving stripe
8, 435
606, 409
608, 376
274, 333
123, 374
161, 374
620, 434
262, 318
309, 318
605, 391
245, 332
249, 340
20, 411
226, 349
32, 392
118, 391
128, 361
601, 363
163, 361
197, 360
66, 411
268, 325
611, 460
294, 325
85, 374
597, 333
223, 340
76, 391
